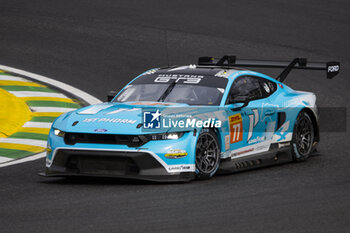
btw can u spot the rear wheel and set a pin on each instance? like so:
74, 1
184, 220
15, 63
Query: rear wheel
207, 154
303, 137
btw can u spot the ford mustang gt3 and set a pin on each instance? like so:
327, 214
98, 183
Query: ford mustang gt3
179, 123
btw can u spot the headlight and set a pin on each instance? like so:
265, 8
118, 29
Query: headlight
58, 132
165, 136
173, 136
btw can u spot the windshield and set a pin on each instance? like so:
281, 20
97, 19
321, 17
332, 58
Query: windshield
196, 92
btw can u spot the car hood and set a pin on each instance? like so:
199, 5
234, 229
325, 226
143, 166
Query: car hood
119, 118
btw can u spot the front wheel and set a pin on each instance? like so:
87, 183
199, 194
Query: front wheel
207, 154
303, 137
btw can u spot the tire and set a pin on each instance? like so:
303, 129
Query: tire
207, 154
303, 137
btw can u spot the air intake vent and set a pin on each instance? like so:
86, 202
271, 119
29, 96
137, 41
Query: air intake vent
129, 140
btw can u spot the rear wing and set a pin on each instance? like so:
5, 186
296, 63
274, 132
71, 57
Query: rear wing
331, 67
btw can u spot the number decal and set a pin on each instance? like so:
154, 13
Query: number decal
236, 128
253, 120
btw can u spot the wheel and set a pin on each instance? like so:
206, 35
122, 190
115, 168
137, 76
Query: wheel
303, 137
207, 154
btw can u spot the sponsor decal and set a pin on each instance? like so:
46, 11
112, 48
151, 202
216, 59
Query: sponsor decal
179, 168
242, 152
257, 140
100, 130
227, 142
332, 69
252, 149
236, 128
110, 120
176, 154
184, 78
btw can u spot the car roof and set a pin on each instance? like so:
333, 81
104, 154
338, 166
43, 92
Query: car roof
216, 71
199, 70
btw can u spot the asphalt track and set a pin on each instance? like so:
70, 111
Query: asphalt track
101, 45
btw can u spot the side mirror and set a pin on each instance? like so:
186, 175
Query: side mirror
111, 95
240, 102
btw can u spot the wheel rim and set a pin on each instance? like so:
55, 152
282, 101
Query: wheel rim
304, 136
207, 153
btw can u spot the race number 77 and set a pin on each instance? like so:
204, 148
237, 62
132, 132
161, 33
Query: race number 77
236, 128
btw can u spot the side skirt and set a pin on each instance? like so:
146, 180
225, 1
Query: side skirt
274, 156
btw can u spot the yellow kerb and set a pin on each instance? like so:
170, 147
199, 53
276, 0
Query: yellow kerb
14, 112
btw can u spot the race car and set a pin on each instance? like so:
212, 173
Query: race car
180, 123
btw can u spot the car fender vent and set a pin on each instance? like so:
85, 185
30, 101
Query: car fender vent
281, 118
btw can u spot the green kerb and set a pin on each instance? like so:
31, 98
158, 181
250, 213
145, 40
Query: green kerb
47, 103
36, 136
27, 88
14, 154
43, 119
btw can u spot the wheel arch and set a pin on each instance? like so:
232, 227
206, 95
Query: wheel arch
314, 122
221, 139
219, 134
200, 174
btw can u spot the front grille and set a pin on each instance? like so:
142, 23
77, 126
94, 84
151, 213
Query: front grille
102, 165
129, 140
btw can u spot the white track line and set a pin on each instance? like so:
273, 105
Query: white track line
12, 78
23, 141
51, 109
37, 94
79, 94
23, 160
32, 124
4, 159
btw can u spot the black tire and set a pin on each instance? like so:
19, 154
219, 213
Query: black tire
207, 154
303, 137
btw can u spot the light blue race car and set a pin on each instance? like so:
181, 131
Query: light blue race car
184, 122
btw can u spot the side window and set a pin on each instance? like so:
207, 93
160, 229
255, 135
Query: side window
246, 86
268, 87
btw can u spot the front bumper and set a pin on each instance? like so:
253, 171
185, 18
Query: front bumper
136, 164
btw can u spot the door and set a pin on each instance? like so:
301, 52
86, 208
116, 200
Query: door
252, 127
